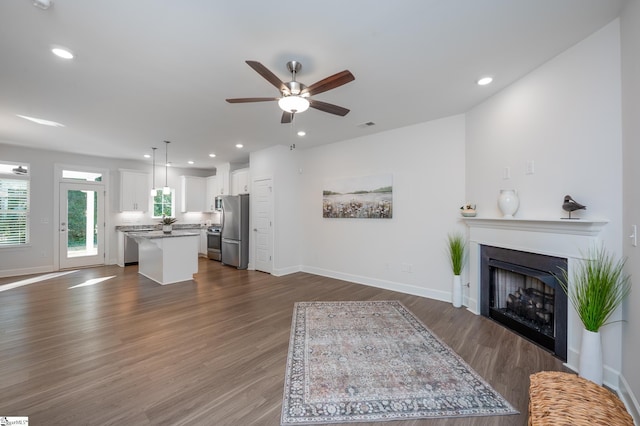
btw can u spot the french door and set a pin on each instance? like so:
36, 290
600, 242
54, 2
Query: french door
81, 226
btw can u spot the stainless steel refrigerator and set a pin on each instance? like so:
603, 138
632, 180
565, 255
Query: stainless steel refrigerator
235, 230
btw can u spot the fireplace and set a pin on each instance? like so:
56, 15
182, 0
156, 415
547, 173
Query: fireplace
520, 291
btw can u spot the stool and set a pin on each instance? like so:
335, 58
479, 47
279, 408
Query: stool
557, 398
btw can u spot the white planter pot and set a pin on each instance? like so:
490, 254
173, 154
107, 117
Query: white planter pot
591, 356
167, 229
457, 291
508, 202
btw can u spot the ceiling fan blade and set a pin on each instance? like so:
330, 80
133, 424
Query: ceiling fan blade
287, 117
268, 75
330, 108
245, 100
331, 82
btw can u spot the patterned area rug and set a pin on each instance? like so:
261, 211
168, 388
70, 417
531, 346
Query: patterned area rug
375, 361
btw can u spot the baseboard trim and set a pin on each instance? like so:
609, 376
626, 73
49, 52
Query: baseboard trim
26, 271
630, 401
387, 285
279, 272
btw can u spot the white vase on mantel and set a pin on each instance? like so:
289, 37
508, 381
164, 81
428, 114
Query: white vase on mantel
508, 202
457, 291
590, 366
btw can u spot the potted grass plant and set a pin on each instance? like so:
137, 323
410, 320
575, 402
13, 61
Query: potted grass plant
457, 256
598, 287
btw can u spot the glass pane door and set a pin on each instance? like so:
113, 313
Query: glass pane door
81, 225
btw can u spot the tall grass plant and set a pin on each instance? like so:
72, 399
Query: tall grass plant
598, 286
457, 252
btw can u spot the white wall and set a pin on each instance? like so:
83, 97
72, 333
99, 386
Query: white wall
38, 256
630, 34
427, 165
281, 164
566, 117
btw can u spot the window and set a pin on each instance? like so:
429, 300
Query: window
14, 204
81, 176
163, 204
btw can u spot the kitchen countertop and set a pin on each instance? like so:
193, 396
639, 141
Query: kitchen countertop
158, 227
161, 234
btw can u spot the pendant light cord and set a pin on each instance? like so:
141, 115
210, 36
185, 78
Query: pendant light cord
166, 190
166, 163
153, 171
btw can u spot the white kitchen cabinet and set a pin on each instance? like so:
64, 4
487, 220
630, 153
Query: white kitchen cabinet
222, 179
134, 191
193, 193
211, 192
240, 182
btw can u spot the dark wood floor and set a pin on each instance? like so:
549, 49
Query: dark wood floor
207, 352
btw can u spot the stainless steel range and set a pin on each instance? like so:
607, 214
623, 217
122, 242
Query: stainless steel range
214, 242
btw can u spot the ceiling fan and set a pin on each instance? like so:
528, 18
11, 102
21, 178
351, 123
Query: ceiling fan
295, 95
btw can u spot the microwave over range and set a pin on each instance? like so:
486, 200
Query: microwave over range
217, 206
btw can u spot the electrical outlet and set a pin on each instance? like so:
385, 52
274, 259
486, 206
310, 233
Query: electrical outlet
407, 267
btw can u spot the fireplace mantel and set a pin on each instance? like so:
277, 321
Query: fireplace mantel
569, 239
589, 228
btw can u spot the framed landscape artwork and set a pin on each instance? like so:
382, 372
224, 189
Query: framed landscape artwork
368, 197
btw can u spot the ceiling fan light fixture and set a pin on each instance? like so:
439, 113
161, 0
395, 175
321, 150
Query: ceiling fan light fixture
295, 104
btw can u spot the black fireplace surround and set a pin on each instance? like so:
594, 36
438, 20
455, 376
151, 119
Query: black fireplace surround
520, 290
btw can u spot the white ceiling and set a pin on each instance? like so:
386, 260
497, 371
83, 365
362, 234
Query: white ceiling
152, 70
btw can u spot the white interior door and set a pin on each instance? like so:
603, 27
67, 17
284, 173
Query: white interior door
262, 198
81, 226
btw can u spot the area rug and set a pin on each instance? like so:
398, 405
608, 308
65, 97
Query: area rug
375, 361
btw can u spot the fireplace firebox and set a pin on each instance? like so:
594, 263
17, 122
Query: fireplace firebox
520, 291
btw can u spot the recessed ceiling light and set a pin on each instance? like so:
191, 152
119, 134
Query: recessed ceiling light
41, 121
61, 52
239, 145
212, 155
190, 162
168, 164
302, 133
42, 4
147, 156
484, 81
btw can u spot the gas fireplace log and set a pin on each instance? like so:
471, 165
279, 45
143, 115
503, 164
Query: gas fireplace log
531, 304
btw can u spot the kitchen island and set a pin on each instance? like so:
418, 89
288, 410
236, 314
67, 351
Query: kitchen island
167, 258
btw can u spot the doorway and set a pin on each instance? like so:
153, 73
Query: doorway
81, 227
262, 199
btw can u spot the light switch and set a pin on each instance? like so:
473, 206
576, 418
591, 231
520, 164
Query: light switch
506, 173
634, 235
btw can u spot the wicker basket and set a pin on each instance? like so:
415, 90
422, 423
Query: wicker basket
557, 398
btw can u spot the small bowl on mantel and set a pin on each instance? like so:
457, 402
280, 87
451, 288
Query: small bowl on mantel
468, 213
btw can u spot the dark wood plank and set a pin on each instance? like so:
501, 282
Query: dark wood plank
208, 351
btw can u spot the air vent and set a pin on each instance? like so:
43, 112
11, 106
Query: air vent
367, 124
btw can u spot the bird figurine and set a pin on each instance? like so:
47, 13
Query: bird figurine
571, 205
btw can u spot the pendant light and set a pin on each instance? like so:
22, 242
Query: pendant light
154, 191
166, 190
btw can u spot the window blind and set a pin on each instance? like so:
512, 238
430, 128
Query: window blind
14, 211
